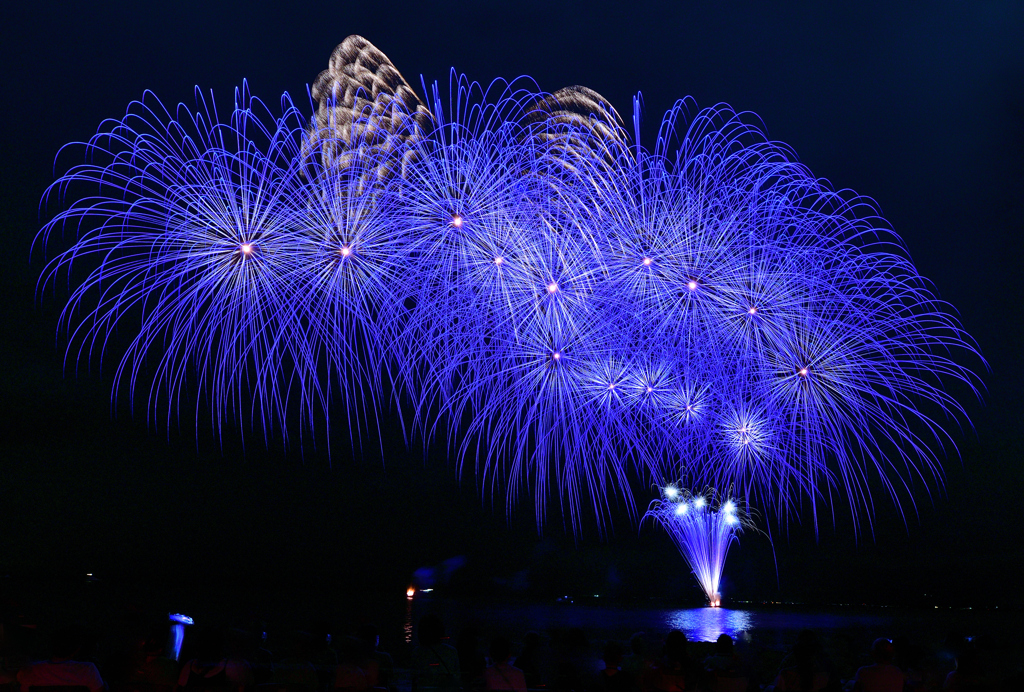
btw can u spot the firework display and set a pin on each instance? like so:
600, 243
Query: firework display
703, 526
574, 313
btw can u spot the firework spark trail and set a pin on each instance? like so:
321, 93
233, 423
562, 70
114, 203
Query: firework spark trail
572, 312
703, 527
185, 235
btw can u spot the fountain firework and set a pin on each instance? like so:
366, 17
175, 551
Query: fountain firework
703, 526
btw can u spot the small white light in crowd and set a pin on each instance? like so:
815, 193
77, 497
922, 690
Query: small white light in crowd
556, 355
246, 248
729, 507
457, 221
647, 261
671, 492
803, 372
681, 509
699, 502
345, 251
752, 310
692, 285
552, 287
499, 259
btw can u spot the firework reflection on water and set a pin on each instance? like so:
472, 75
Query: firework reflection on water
707, 624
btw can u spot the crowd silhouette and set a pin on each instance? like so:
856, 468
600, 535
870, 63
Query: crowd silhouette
216, 659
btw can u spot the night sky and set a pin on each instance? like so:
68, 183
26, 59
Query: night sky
920, 107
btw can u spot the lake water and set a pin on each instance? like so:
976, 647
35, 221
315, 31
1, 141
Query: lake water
774, 626
278, 611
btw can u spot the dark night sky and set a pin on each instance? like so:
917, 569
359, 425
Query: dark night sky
919, 106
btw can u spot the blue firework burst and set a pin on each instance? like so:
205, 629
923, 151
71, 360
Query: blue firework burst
574, 313
185, 236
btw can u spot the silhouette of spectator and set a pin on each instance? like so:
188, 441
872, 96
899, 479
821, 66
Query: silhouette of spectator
350, 674
14, 648
724, 660
534, 660
379, 666
7, 678
806, 671
62, 669
472, 660
909, 658
151, 666
968, 675
723, 669
576, 666
640, 662
211, 669
675, 671
613, 678
321, 653
435, 665
502, 675
295, 669
882, 675
249, 644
